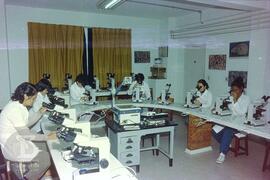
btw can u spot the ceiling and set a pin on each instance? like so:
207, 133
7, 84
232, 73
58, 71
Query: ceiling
139, 8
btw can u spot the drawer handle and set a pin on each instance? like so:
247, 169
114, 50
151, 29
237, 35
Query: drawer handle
129, 155
129, 147
129, 141
128, 162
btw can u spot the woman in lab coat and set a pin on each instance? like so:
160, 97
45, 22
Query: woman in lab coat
239, 107
139, 81
43, 87
16, 137
204, 95
77, 91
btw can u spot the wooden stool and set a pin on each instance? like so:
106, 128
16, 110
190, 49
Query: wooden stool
265, 161
238, 149
152, 137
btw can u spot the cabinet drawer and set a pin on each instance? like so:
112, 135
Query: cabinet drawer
129, 140
129, 159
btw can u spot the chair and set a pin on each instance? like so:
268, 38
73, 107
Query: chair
152, 137
265, 161
3, 167
237, 149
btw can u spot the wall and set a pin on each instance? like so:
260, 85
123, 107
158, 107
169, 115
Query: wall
257, 64
4, 74
145, 34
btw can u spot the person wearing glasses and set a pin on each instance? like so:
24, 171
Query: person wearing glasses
204, 96
239, 103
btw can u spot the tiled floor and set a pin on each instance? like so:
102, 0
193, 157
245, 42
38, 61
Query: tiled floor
202, 166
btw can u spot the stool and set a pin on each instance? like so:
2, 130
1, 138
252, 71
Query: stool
238, 149
265, 161
152, 137
3, 167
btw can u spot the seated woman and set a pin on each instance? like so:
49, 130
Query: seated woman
139, 81
43, 87
16, 138
77, 91
239, 107
204, 95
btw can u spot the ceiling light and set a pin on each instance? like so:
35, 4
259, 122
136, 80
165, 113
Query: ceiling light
109, 4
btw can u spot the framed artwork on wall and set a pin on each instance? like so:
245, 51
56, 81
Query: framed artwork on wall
235, 74
217, 62
239, 49
142, 56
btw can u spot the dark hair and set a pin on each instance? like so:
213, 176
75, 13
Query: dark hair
43, 84
23, 89
81, 79
203, 82
139, 77
238, 82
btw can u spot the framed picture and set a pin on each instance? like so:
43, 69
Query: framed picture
142, 56
235, 74
163, 51
217, 62
239, 49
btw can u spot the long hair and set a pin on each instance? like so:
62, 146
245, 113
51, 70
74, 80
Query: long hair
23, 89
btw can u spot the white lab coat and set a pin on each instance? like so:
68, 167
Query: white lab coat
205, 98
76, 93
144, 86
15, 136
238, 108
38, 102
36, 107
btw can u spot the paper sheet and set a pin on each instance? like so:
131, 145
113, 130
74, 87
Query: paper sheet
217, 128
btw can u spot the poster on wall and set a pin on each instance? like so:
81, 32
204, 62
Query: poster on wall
235, 74
239, 49
142, 56
217, 62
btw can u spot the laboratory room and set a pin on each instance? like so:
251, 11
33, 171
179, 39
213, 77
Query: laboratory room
134, 90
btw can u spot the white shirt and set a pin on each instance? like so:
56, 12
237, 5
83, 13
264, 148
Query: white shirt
205, 98
15, 147
144, 86
240, 107
38, 102
76, 93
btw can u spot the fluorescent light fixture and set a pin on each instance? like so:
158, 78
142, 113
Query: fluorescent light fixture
109, 4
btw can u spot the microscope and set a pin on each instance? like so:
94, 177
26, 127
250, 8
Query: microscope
190, 99
138, 95
165, 98
46, 76
222, 106
256, 112
90, 155
96, 84
67, 82
57, 101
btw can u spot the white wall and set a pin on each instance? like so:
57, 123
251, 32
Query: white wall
257, 64
4, 74
145, 34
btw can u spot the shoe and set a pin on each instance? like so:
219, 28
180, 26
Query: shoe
221, 158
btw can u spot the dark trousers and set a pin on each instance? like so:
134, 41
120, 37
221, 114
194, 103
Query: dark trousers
224, 137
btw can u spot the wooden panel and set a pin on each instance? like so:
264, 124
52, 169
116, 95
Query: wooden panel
199, 136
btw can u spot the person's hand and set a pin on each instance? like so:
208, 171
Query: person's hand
42, 110
52, 136
85, 98
197, 102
